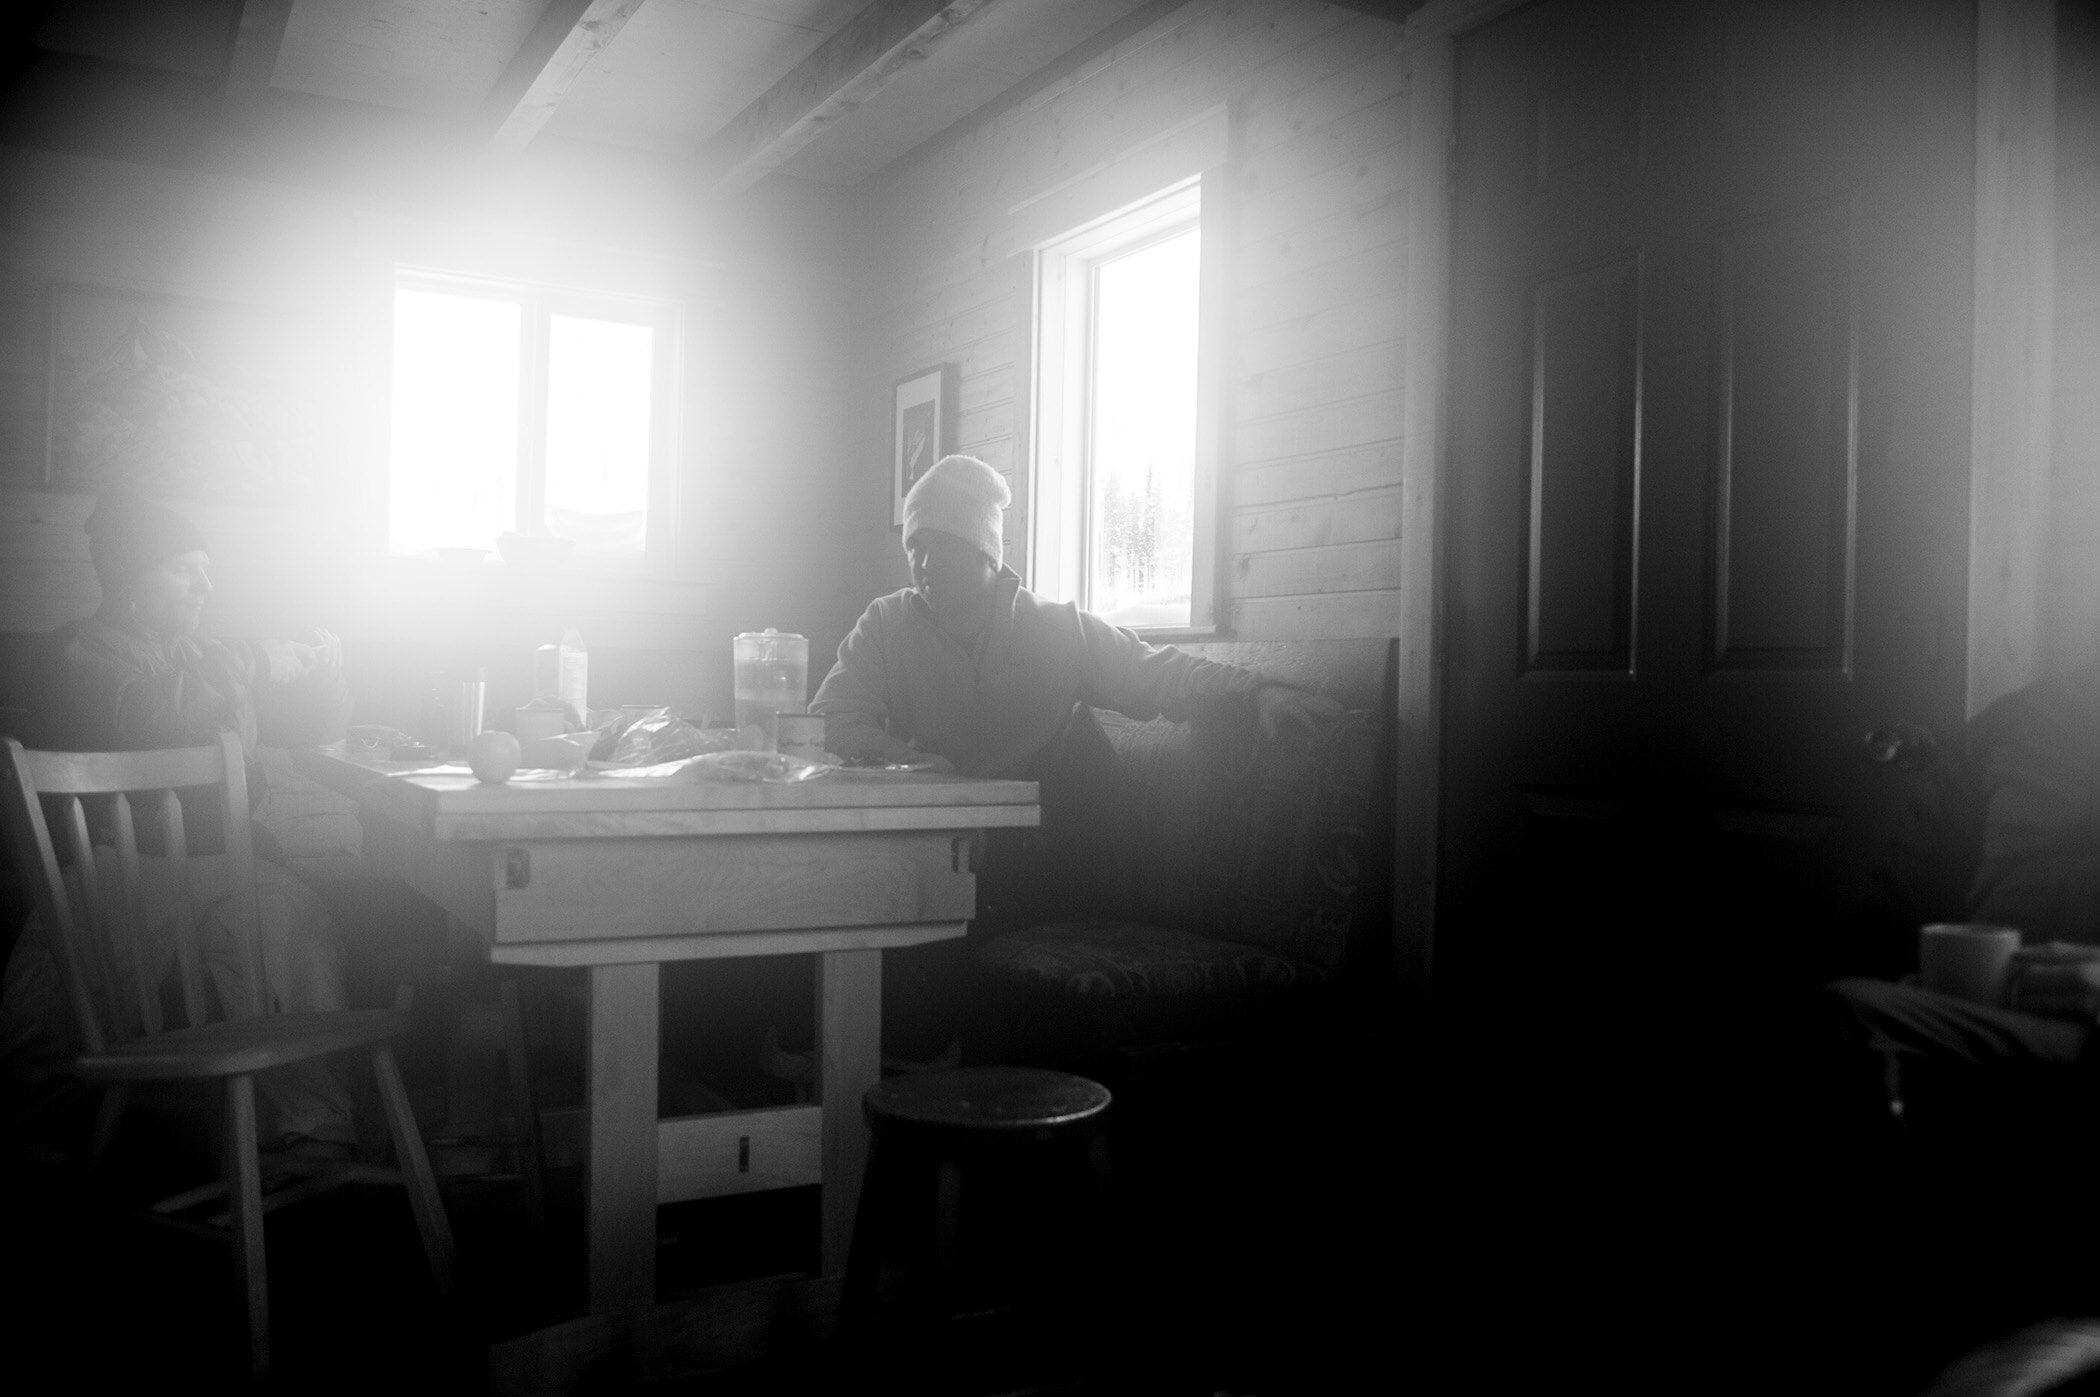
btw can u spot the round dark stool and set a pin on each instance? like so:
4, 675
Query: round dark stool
936, 1122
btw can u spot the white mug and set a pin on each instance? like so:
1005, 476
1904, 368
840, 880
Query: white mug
1969, 960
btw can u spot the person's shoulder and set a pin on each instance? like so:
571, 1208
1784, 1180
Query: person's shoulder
1034, 608
888, 610
883, 617
90, 637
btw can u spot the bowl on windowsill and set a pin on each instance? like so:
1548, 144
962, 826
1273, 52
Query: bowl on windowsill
534, 550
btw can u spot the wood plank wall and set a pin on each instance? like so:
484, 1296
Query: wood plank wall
763, 433
1315, 127
127, 227
2071, 600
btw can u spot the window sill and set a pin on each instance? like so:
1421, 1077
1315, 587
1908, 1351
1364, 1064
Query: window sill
1173, 635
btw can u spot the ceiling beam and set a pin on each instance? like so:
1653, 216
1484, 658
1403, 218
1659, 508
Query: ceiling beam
256, 41
569, 35
1395, 10
849, 68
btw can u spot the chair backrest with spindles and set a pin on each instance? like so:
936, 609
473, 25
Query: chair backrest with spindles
73, 822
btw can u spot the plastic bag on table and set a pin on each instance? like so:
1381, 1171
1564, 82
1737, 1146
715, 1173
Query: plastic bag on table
608, 725
773, 767
639, 736
657, 735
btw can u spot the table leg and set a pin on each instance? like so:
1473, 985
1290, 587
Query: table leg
849, 1046
620, 1169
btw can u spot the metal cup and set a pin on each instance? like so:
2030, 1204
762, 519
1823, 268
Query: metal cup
456, 704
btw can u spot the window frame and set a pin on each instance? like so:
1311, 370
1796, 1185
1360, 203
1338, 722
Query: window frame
1061, 344
540, 302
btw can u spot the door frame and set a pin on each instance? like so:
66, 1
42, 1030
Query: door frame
2011, 392
2010, 422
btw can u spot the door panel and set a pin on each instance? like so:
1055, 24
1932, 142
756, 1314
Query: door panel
1788, 461
1707, 487
1585, 411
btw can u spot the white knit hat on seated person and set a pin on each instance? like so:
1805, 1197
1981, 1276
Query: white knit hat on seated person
962, 496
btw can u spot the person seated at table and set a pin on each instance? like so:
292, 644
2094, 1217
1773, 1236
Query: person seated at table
136, 676
968, 671
972, 672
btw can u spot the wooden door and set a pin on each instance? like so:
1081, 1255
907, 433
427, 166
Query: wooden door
1707, 474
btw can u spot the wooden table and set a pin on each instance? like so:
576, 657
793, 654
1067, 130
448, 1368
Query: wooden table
618, 876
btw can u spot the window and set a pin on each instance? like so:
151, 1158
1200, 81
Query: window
1124, 514
527, 411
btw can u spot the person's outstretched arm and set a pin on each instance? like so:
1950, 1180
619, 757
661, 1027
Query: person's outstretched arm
307, 700
1140, 680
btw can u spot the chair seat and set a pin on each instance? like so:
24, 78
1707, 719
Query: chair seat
1133, 960
240, 1045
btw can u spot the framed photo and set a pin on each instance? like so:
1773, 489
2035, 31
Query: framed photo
184, 398
923, 430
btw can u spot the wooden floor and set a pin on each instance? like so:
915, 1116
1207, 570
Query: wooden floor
1330, 1229
1256, 1252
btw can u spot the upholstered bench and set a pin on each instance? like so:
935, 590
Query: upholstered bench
1209, 884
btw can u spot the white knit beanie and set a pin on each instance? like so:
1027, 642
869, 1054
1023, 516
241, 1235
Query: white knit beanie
962, 496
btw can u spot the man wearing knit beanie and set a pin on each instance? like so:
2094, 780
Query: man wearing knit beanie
128, 534
961, 501
970, 671
963, 497
136, 676
133, 677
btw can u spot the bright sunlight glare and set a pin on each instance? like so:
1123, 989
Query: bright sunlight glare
455, 430
1141, 532
598, 390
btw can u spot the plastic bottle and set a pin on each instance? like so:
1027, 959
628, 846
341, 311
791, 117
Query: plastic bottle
562, 672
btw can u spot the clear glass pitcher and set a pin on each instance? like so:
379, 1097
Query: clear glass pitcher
772, 678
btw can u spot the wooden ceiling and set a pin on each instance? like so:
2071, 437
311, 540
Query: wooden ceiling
829, 91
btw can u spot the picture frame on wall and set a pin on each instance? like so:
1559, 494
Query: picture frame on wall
922, 430
187, 398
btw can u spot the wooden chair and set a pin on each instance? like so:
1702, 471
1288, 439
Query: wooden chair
98, 942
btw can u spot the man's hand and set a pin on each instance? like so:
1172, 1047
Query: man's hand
290, 660
1278, 706
2056, 981
327, 647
